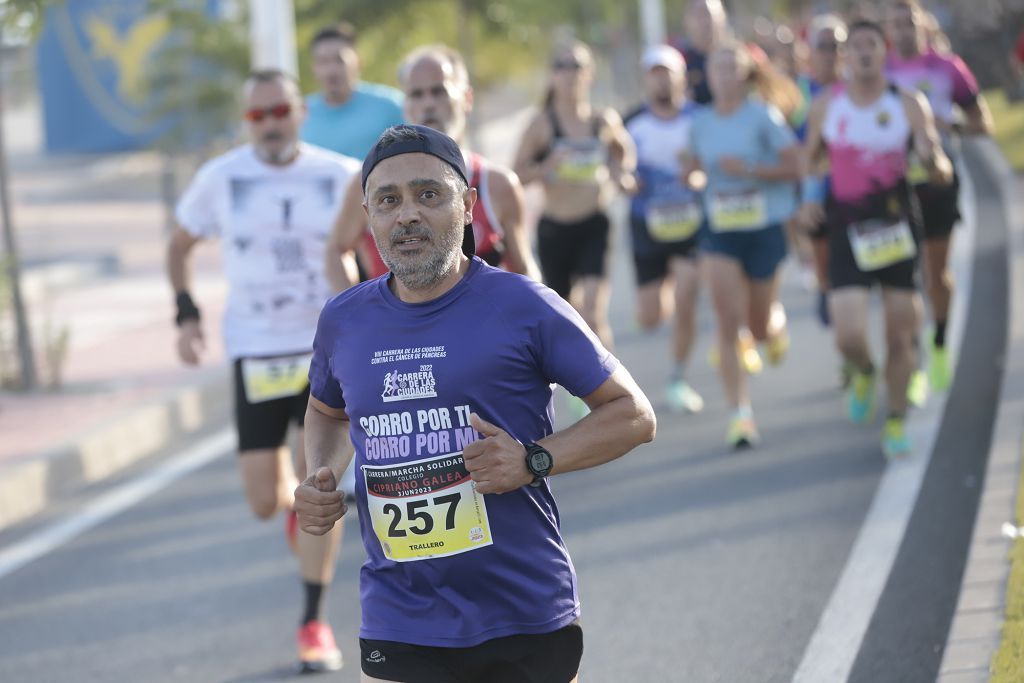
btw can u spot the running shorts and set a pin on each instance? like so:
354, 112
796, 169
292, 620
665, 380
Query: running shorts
571, 250
759, 251
264, 424
538, 658
843, 270
940, 210
651, 258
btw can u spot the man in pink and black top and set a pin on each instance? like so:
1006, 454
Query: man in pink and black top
949, 86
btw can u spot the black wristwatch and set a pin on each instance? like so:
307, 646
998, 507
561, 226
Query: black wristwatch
538, 462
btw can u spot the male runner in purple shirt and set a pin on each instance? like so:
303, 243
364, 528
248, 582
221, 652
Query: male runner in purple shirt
467, 576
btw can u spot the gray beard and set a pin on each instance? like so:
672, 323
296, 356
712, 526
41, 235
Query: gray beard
285, 156
426, 274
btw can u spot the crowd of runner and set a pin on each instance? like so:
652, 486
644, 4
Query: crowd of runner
425, 389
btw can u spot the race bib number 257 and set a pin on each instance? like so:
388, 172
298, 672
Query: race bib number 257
427, 508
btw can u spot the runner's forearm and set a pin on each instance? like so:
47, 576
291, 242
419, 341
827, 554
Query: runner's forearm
338, 270
788, 169
532, 172
610, 431
179, 249
978, 119
327, 442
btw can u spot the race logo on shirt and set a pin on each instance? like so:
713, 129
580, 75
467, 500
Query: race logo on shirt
407, 386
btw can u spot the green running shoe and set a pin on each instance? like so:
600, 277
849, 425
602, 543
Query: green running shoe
938, 367
917, 389
895, 442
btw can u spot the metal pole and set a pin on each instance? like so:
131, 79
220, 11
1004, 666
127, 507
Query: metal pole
26, 361
652, 22
272, 35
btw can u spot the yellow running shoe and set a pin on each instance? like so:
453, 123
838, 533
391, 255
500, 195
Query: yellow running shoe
746, 349
777, 347
917, 389
750, 359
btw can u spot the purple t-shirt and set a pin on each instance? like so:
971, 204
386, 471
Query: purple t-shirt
447, 566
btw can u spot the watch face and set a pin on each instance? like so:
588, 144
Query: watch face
540, 461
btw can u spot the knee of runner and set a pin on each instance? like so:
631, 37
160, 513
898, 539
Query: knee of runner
263, 505
899, 339
649, 317
850, 342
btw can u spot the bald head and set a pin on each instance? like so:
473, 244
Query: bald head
437, 92
706, 24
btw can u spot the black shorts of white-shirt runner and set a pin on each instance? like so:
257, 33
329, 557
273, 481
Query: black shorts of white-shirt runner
265, 425
527, 658
651, 258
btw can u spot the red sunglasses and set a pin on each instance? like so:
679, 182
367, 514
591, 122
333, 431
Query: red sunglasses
278, 111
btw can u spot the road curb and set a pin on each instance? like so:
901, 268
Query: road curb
975, 633
29, 485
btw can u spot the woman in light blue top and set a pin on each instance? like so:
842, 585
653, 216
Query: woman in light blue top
749, 158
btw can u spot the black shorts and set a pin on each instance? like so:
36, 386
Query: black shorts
940, 208
265, 425
529, 658
651, 258
843, 270
571, 250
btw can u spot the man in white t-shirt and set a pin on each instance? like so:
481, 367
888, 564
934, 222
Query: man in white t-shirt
271, 203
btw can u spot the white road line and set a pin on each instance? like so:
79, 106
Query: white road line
833, 647
114, 502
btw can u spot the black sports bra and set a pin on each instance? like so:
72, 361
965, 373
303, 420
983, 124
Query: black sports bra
558, 134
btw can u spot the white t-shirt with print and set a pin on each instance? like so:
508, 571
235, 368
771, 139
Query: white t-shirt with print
274, 222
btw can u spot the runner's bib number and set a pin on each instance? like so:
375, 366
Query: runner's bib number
673, 222
427, 508
738, 211
879, 244
268, 378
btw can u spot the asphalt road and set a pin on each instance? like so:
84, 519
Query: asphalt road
695, 563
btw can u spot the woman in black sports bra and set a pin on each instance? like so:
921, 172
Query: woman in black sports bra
582, 154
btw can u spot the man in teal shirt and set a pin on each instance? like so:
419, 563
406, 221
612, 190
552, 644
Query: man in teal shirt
347, 115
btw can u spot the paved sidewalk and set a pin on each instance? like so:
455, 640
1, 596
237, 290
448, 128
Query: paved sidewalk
91, 237
91, 231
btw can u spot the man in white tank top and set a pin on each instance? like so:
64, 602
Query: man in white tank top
866, 129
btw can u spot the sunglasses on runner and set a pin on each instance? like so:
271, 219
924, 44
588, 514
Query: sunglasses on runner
278, 111
566, 65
